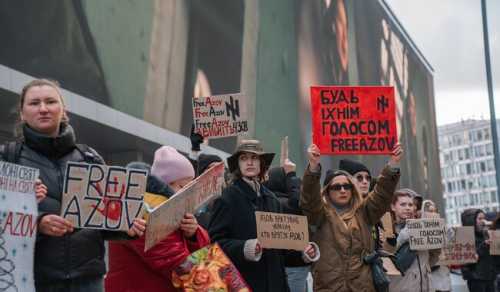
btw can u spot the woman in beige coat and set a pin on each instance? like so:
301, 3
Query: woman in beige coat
343, 223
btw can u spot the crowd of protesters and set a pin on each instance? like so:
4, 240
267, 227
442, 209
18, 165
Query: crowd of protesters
344, 214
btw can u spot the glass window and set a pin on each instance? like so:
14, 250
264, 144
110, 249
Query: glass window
467, 153
490, 164
486, 134
489, 149
476, 151
468, 168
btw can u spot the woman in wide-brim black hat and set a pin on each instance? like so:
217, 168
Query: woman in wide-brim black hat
233, 223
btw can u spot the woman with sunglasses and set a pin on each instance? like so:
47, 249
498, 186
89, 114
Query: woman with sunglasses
343, 221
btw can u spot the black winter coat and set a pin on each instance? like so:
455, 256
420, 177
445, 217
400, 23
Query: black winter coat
484, 269
233, 223
76, 255
286, 187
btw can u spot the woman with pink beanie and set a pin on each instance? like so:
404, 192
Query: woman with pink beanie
132, 269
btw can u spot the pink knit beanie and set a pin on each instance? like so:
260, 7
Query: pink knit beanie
169, 165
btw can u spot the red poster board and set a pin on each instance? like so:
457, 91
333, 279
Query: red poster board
350, 120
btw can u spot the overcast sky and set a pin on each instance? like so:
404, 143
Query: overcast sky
450, 35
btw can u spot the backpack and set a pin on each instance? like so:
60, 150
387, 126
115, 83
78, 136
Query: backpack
11, 152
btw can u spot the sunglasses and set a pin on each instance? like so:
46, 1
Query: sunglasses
361, 177
338, 187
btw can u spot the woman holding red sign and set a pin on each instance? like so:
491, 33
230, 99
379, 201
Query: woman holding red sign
343, 221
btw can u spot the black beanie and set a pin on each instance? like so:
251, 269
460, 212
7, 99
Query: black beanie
352, 166
204, 160
330, 174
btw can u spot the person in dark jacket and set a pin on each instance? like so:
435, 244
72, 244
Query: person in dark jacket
66, 258
480, 276
204, 162
233, 221
285, 184
360, 172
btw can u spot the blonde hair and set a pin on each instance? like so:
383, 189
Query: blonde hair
38, 82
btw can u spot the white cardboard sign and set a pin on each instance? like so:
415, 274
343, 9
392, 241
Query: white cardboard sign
18, 226
102, 197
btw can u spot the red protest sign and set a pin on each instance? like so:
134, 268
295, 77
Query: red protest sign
353, 119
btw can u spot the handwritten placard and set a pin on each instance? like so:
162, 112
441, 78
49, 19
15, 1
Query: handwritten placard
282, 231
102, 197
220, 115
351, 120
166, 217
495, 242
426, 233
18, 226
460, 247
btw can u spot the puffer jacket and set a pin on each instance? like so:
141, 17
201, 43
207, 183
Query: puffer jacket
345, 239
132, 269
484, 269
75, 255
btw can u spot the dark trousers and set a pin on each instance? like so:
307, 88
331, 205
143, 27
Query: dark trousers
75, 285
481, 286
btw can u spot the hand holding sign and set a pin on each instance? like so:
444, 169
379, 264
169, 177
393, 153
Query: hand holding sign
310, 251
189, 225
40, 190
54, 225
138, 228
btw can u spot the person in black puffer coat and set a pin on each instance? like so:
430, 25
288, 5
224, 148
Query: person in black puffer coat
480, 276
66, 258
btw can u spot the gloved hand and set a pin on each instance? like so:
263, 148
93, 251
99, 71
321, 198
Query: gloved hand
196, 140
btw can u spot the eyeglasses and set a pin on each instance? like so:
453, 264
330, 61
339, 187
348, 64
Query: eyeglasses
338, 187
361, 177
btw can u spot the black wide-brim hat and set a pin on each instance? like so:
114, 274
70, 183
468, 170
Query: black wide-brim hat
249, 146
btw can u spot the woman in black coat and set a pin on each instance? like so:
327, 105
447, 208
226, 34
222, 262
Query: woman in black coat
233, 221
480, 276
66, 258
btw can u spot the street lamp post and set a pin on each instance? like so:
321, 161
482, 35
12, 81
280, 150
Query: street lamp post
493, 120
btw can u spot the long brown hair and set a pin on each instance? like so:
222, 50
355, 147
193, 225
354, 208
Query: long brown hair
235, 175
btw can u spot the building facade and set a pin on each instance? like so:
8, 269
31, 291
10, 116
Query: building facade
467, 168
131, 68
